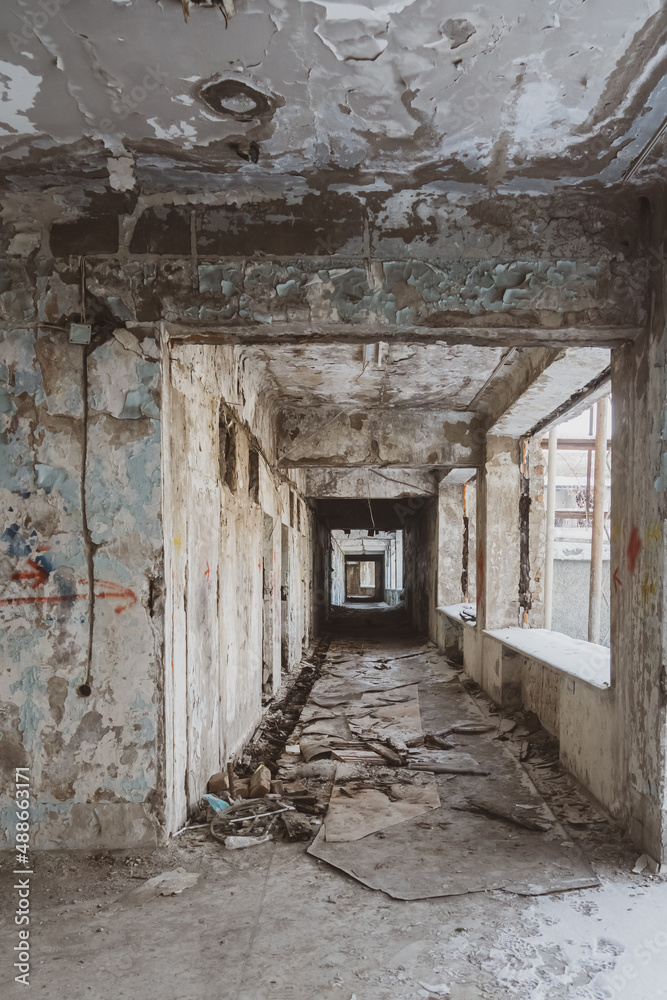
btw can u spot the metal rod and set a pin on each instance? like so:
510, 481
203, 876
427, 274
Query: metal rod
551, 510
574, 444
589, 463
595, 593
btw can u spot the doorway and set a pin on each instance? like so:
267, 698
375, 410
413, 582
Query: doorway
364, 578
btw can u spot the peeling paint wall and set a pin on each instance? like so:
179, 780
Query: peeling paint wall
225, 524
450, 544
638, 568
82, 584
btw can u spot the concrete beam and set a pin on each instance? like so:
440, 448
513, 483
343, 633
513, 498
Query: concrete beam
469, 331
502, 301
374, 483
574, 369
457, 477
380, 437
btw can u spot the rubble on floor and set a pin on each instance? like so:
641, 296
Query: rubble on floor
407, 778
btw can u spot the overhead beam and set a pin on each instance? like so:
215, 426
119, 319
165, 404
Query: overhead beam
470, 332
383, 437
569, 374
375, 483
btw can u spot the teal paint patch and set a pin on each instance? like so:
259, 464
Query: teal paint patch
136, 789
222, 279
7, 404
29, 714
53, 480
119, 308
139, 403
146, 732
139, 703
27, 376
149, 373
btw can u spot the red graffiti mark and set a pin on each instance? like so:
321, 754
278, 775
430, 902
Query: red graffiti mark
114, 591
633, 550
617, 580
37, 574
207, 573
480, 574
259, 565
110, 591
55, 599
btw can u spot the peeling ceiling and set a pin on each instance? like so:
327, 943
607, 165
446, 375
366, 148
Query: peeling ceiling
387, 375
384, 93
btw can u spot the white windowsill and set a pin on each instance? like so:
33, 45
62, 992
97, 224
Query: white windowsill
584, 660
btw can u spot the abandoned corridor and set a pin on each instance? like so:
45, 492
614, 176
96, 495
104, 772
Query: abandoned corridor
471, 922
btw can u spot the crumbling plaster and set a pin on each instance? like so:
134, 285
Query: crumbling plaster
222, 579
369, 482
82, 584
88, 704
506, 95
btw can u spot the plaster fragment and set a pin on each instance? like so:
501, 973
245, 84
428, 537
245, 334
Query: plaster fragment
121, 173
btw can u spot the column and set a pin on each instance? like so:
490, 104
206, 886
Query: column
638, 640
498, 542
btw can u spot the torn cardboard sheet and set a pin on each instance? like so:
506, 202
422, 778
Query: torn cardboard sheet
337, 726
451, 853
355, 812
315, 748
399, 718
328, 694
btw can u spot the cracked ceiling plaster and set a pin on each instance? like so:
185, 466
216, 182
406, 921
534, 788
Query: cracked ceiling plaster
527, 93
377, 375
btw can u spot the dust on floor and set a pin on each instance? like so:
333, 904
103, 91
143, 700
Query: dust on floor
274, 923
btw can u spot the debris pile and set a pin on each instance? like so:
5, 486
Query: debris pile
415, 811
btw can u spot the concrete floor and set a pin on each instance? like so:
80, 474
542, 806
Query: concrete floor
273, 923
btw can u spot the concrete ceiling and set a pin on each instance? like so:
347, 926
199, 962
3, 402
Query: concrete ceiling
407, 92
350, 375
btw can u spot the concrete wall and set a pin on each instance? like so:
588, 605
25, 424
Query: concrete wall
580, 714
111, 485
239, 561
323, 580
639, 484
450, 543
82, 585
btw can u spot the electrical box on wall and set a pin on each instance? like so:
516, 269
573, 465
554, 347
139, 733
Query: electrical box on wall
80, 333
